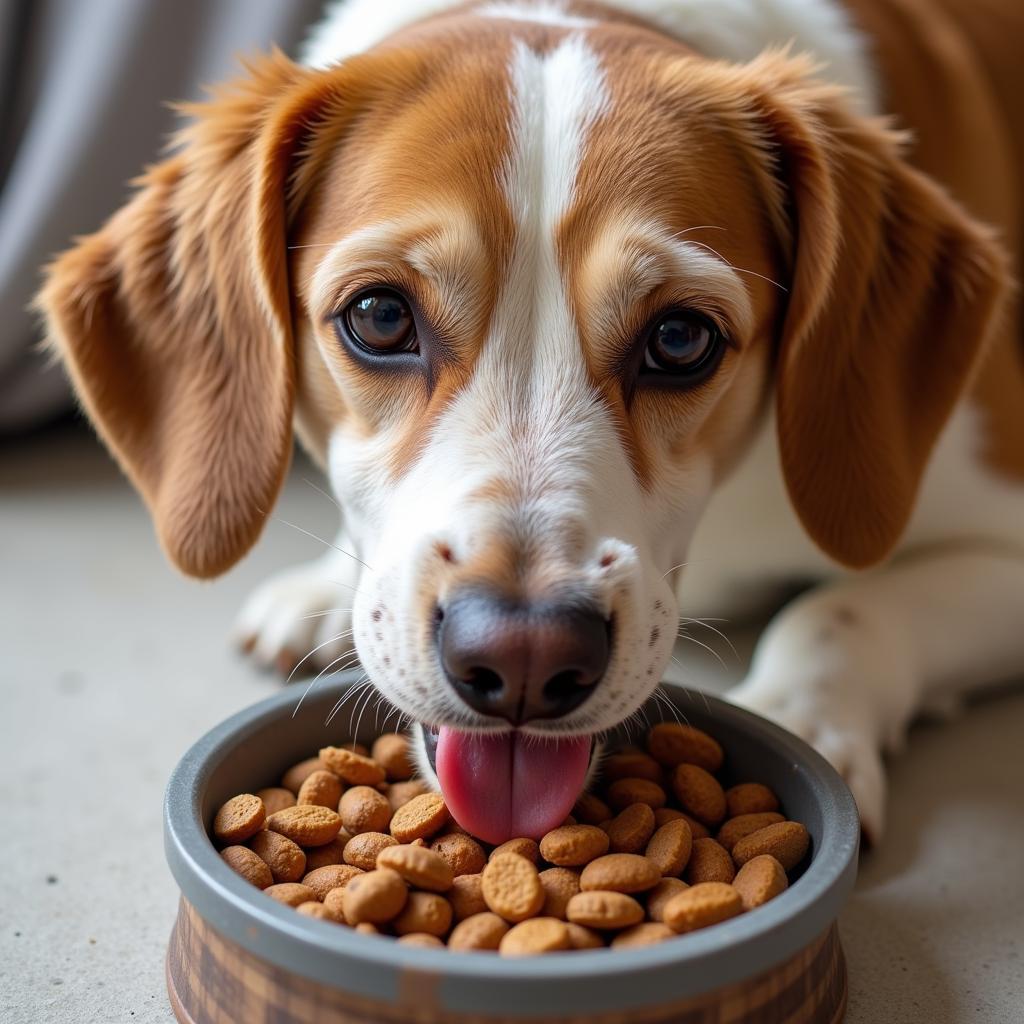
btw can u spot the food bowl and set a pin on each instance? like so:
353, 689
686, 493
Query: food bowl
237, 956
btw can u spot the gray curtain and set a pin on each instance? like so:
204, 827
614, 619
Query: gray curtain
83, 88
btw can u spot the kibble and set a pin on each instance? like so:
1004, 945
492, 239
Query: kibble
660, 849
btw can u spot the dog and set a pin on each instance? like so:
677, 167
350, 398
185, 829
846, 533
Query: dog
595, 313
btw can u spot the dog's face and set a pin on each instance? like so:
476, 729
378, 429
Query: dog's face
530, 289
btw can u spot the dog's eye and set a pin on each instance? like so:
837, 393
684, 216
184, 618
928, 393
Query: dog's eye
683, 343
381, 322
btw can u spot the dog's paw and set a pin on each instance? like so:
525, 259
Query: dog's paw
833, 719
299, 619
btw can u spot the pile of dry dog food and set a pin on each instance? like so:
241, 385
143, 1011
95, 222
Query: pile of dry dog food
351, 838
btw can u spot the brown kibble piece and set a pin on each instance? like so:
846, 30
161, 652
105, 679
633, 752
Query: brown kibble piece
313, 909
293, 779
238, 819
582, 937
308, 825
659, 896
334, 904
631, 829
363, 809
743, 825
671, 744
400, 793
670, 847
620, 872
522, 846
624, 792
591, 810
466, 896
362, 850
276, 798
702, 905
355, 769
334, 876
531, 938
422, 817
647, 933
787, 842
762, 878
330, 853
604, 910
291, 893
560, 885
321, 789
244, 862
573, 845
511, 887
482, 931
391, 752
375, 897
699, 793
464, 854
750, 798
285, 859
424, 912
663, 815
419, 866
709, 862
631, 765
421, 939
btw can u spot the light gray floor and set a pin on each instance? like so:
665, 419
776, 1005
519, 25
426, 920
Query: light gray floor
111, 665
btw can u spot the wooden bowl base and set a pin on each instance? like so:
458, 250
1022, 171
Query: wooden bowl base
212, 980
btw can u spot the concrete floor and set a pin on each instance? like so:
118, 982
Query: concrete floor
111, 665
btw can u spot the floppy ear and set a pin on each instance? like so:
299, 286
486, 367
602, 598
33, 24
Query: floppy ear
174, 319
894, 292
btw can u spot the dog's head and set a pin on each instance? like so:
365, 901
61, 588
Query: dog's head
526, 291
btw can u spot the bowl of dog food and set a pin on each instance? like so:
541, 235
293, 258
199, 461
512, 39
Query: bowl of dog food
697, 879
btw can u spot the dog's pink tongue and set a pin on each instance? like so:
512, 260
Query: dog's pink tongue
503, 787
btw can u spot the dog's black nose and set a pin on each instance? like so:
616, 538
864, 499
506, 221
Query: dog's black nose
518, 661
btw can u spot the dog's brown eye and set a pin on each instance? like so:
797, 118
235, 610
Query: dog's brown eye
683, 343
381, 321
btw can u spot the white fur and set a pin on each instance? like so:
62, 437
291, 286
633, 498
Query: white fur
849, 663
735, 30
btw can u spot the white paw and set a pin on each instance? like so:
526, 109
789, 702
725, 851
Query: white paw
300, 619
829, 715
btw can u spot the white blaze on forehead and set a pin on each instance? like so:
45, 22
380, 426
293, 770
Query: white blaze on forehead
556, 98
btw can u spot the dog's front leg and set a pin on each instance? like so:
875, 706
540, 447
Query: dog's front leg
303, 614
848, 665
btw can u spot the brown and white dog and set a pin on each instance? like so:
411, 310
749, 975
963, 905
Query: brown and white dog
595, 313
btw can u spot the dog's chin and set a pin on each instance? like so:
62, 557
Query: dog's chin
506, 785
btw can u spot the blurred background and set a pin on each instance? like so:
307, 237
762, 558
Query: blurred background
112, 665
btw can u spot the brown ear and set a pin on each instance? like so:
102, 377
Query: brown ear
174, 319
894, 292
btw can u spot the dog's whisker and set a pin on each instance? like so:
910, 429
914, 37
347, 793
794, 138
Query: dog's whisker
309, 654
699, 227
710, 650
706, 623
326, 543
355, 688
353, 659
326, 611
739, 270
365, 704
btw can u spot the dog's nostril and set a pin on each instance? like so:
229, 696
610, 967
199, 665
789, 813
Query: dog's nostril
562, 687
484, 680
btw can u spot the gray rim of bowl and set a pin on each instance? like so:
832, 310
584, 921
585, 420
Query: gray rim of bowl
717, 956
